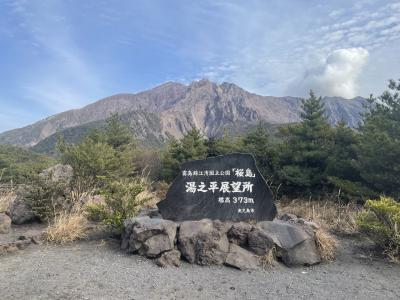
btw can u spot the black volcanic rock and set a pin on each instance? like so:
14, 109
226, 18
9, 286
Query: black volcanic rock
226, 187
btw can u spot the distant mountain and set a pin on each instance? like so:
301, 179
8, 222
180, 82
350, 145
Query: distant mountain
173, 108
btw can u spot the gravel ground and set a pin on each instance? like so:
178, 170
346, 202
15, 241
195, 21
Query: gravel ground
98, 270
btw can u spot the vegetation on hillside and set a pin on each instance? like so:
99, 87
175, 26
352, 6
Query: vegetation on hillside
18, 165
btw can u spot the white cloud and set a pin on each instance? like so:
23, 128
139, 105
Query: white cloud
336, 76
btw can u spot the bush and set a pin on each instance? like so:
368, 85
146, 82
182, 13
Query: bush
46, 198
381, 222
123, 199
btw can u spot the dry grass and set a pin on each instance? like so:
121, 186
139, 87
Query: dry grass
327, 245
67, 227
268, 259
329, 215
6, 199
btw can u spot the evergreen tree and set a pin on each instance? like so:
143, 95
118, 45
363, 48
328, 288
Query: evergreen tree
117, 134
221, 146
379, 149
342, 160
191, 146
303, 156
342, 169
105, 153
257, 143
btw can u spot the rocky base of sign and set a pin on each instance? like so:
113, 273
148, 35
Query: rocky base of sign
211, 242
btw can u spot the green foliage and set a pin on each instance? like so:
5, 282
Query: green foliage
122, 201
117, 135
257, 143
191, 146
349, 190
221, 146
105, 153
46, 198
381, 221
20, 165
303, 156
379, 148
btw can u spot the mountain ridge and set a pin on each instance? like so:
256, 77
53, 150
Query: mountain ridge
178, 107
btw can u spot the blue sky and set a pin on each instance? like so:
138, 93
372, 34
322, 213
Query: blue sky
59, 55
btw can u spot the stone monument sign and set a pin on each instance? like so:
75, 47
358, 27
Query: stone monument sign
226, 187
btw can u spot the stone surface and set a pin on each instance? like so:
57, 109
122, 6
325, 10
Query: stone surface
5, 223
296, 245
241, 258
58, 173
169, 258
19, 211
204, 242
288, 217
150, 212
239, 232
148, 237
236, 191
305, 253
259, 241
36, 236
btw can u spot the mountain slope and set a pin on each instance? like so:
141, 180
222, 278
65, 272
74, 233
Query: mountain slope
173, 108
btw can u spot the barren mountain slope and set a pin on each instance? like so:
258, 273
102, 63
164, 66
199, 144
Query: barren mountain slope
176, 108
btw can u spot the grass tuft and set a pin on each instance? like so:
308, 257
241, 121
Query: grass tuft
6, 199
268, 259
67, 227
330, 215
326, 244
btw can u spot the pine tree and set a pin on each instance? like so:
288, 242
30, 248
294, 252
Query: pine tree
342, 160
379, 149
191, 146
221, 146
341, 170
304, 154
257, 143
117, 134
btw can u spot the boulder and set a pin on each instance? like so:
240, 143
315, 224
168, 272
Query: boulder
169, 258
36, 236
241, 258
288, 217
239, 232
58, 173
5, 223
295, 245
259, 241
150, 212
19, 211
204, 242
149, 237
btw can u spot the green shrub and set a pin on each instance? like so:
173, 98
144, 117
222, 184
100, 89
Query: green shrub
381, 221
46, 198
351, 190
122, 199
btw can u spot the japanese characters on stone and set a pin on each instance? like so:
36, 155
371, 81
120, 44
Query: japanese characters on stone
230, 192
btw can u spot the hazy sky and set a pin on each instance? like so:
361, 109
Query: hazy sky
58, 55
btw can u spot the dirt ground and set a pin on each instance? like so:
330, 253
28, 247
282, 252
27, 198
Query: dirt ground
98, 270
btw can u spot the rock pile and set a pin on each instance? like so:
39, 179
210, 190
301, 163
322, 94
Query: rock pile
212, 242
10, 243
